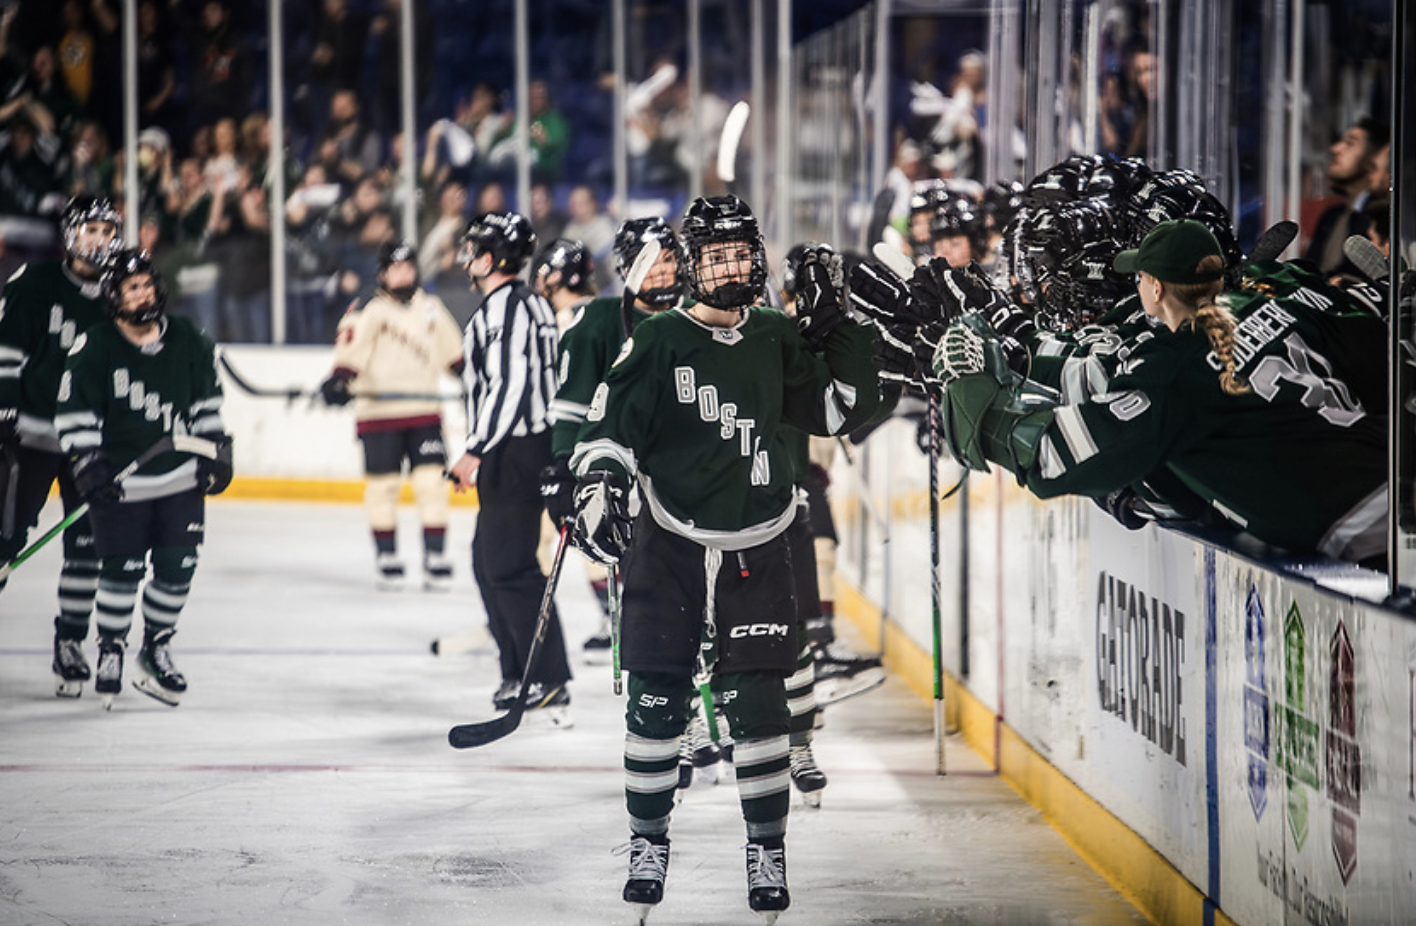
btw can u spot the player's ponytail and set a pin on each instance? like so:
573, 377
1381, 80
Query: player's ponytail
1214, 320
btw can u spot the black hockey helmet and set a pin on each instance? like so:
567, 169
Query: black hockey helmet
507, 236
1001, 202
1116, 179
1182, 201
1065, 180
78, 212
569, 262
630, 240
926, 195
127, 263
396, 252
956, 215
1061, 262
720, 220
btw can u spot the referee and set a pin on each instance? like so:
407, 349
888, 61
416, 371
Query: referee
510, 354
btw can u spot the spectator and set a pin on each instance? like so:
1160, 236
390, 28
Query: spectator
310, 262
29, 182
157, 72
91, 163
1349, 174
255, 150
1377, 213
154, 171
350, 148
548, 221
78, 47
385, 30
189, 212
490, 198
221, 168
52, 107
594, 229
337, 59
240, 245
548, 138
221, 78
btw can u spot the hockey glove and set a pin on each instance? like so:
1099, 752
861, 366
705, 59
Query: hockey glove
819, 282
335, 390
9, 425
93, 479
602, 521
899, 362
883, 298
558, 491
214, 475
969, 346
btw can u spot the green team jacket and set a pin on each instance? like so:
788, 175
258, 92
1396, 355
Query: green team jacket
43, 310
122, 398
695, 412
1298, 461
587, 348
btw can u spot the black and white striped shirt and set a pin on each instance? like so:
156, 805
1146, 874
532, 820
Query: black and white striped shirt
510, 353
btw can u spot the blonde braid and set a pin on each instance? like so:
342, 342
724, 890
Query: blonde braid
1219, 325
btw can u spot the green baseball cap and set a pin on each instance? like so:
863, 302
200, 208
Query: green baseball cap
1172, 252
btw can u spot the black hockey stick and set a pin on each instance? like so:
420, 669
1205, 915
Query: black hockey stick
292, 394
634, 281
179, 442
469, 735
1367, 257
1274, 241
934, 413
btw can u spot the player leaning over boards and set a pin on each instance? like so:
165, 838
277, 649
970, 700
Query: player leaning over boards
45, 306
587, 348
128, 383
690, 411
510, 355
398, 344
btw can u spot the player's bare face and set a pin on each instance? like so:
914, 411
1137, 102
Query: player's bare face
954, 249
400, 275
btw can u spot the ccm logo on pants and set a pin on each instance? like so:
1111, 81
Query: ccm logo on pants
759, 630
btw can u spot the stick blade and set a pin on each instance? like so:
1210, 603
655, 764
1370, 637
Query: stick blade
643, 262
733, 128
472, 735
1274, 241
892, 257
1367, 257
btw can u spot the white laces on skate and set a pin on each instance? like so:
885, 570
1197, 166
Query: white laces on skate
647, 861
766, 867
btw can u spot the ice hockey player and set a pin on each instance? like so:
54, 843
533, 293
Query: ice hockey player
394, 350
44, 308
587, 348
690, 412
127, 384
509, 353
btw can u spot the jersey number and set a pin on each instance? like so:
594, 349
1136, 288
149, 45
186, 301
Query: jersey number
1311, 372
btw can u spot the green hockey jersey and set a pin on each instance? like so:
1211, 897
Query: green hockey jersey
587, 348
43, 310
694, 411
123, 398
1299, 460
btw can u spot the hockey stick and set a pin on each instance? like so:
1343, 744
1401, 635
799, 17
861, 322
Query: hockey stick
469, 735
634, 281
615, 614
728, 142
179, 442
293, 394
1274, 241
934, 413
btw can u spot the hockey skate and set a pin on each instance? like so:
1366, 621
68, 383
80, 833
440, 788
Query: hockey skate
70, 667
437, 572
109, 680
159, 678
806, 775
505, 695
551, 703
390, 572
648, 867
767, 878
841, 674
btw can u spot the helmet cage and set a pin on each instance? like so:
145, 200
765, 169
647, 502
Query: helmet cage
80, 211
130, 263
723, 220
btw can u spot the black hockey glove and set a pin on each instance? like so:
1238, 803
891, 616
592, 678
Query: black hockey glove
93, 478
214, 475
558, 491
1127, 507
820, 280
9, 426
602, 522
883, 298
335, 390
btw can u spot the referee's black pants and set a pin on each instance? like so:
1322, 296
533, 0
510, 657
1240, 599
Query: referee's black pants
504, 557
